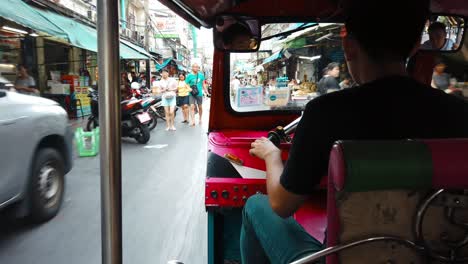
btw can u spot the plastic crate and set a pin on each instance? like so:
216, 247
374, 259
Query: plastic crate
87, 142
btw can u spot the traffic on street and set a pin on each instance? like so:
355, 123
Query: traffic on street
170, 168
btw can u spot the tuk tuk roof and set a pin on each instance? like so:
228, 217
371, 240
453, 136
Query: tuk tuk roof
203, 12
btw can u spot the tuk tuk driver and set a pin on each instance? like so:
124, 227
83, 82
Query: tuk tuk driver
387, 104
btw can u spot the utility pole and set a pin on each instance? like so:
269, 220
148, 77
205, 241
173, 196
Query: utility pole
194, 37
147, 42
147, 24
123, 13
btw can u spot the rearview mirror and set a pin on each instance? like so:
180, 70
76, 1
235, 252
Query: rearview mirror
443, 33
236, 34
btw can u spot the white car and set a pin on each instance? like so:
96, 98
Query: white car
36, 153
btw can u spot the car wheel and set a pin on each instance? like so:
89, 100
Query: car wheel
46, 185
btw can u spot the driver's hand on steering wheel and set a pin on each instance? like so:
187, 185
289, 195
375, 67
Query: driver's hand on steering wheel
263, 148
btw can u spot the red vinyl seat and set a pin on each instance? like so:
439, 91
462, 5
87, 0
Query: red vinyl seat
312, 216
397, 202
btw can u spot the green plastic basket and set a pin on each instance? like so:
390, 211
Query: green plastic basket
87, 142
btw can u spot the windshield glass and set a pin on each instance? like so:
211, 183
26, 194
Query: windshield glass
286, 71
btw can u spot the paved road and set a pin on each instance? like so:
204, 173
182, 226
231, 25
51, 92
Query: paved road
163, 213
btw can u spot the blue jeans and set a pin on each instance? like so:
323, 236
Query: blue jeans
268, 238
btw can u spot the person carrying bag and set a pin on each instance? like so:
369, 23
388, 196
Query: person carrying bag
168, 88
195, 80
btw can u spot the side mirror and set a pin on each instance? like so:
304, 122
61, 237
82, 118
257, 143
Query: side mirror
443, 33
236, 34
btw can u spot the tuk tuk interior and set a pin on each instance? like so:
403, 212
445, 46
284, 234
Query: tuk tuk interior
233, 175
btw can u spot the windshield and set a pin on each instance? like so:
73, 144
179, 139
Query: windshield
286, 71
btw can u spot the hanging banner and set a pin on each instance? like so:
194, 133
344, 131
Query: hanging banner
166, 27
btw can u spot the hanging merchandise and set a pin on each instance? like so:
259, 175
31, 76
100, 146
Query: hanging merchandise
10, 54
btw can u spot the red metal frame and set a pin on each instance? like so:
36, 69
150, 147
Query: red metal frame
237, 142
222, 119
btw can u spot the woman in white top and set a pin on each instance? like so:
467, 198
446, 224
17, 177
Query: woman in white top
168, 88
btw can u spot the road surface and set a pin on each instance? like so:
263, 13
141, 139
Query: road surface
163, 213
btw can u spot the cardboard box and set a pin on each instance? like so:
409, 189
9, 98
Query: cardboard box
52, 82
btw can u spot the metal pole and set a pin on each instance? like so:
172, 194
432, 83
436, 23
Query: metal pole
109, 121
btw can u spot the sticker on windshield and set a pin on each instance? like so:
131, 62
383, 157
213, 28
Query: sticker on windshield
249, 96
278, 97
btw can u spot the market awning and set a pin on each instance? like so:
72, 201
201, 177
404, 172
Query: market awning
129, 53
79, 35
137, 48
298, 25
23, 14
181, 68
163, 65
276, 56
297, 43
85, 37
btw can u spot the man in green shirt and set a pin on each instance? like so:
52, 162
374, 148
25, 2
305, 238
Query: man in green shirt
196, 78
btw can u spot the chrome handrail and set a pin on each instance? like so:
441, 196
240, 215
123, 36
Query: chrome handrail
454, 246
328, 251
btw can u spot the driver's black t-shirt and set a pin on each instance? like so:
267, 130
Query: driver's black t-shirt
389, 108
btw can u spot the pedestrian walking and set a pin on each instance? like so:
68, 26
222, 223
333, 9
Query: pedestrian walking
196, 82
183, 91
328, 82
168, 88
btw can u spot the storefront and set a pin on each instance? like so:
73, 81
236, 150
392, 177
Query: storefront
10, 54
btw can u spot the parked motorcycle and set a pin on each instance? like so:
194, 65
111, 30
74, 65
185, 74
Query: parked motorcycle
134, 120
150, 105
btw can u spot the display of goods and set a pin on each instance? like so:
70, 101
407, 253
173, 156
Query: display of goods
278, 97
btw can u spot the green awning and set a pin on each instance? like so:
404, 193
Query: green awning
137, 48
23, 14
79, 35
163, 65
182, 68
275, 56
85, 37
129, 53
297, 43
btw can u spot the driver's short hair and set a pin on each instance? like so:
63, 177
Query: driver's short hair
386, 30
437, 26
